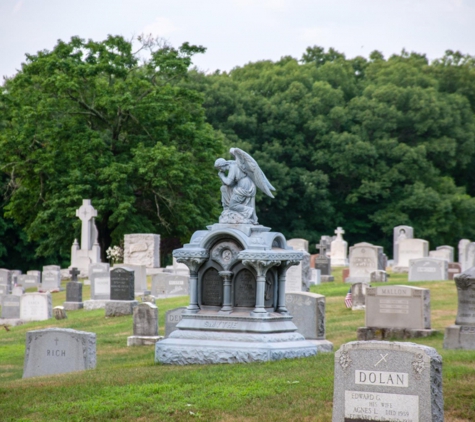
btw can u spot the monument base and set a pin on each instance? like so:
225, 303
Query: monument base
143, 340
377, 333
323, 346
73, 306
460, 337
206, 337
93, 304
400, 269
327, 278
116, 308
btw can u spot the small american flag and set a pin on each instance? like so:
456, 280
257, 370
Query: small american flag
348, 300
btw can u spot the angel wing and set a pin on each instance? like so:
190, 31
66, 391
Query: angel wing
249, 166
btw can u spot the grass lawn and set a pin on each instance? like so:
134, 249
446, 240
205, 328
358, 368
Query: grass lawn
127, 385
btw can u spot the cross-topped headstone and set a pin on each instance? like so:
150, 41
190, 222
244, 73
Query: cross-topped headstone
322, 248
339, 232
74, 274
86, 214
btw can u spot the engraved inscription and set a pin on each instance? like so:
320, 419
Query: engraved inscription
212, 290
245, 290
380, 378
374, 406
394, 306
122, 284
393, 291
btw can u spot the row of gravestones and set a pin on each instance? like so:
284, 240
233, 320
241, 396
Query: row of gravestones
48, 280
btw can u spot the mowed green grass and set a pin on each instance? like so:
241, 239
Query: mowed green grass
128, 385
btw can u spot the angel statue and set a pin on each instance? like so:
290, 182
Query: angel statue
239, 187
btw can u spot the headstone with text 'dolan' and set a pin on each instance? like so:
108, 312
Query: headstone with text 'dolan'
387, 381
58, 350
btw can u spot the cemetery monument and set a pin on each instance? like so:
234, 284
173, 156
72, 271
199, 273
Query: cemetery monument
339, 249
237, 310
400, 233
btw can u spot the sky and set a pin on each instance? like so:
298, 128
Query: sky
236, 32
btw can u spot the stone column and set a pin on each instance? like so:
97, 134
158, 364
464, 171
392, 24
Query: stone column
261, 267
227, 304
193, 264
284, 266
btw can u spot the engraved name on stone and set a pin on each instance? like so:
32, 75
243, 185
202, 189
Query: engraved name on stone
221, 324
381, 378
176, 283
381, 407
394, 306
102, 285
394, 291
426, 270
174, 318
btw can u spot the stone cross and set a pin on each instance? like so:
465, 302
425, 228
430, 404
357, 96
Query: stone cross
322, 248
86, 214
74, 274
339, 232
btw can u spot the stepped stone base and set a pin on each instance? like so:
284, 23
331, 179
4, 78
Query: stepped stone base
73, 306
375, 333
323, 346
143, 340
236, 338
460, 337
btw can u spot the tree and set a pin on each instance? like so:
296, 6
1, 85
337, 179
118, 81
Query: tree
88, 120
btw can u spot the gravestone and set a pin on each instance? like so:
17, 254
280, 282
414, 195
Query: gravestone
339, 249
462, 247
5, 282
172, 318
15, 276
308, 312
99, 274
51, 281
31, 279
145, 325
358, 296
462, 334
443, 252
364, 259
36, 306
90, 251
122, 295
169, 285
316, 276
378, 276
140, 277
18, 290
410, 249
400, 233
59, 312
57, 351
345, 273
73, 292
322, 262
428, 269
51, 268
454, 268
387, 381
142, 249
469, 256
299, 276
10, 306
396, 312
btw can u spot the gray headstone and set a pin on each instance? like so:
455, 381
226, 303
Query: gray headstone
140, 274
449, 250
51, 268
379, 276
412, 249
59, 312
299, 277
10, 306
398, 307
308, 312
387, 381
58, 350
463, 249
74, 292
51, 280
36, 306
5, 282
99, 277
122, 284
172, 318
358, 296
30, 280
168, 285
212, 288
428, 269
145, 320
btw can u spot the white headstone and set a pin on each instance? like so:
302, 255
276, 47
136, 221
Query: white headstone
428, 269
411, 249
36, 306
339, 250
142, 249
364, 259
400, 233
168, 285
463, 244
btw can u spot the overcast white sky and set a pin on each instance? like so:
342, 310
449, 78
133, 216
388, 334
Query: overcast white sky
236, 32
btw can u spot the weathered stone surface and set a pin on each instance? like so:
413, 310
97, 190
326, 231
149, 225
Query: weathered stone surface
364, 259
308, 312
172, 318
428, 269
443, 252
169, 285
387, 381
10, 306
400, 233
463, 251
379, 276
74, 292
142, 249
58, 350
5, 282
36, 306
398, 307
411, 249
145, 325
116, 308
358, 296
59, 312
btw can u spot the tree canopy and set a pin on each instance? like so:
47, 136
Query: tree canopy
366, 144
91, 120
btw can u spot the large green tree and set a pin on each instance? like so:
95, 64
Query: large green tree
363, 143
94, 120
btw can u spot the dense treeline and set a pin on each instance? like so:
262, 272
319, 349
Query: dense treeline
366, 144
